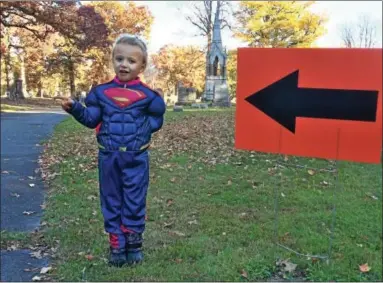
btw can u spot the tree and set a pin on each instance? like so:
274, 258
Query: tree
114, 14
360, 34
232, 72
278, 23
180, 64
203, 17
80, 27
79, 24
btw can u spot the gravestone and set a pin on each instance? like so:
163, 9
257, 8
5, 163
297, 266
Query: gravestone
186, 95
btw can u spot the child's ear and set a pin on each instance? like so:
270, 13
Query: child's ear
143, 68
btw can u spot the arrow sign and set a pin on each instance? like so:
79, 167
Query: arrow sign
284, 101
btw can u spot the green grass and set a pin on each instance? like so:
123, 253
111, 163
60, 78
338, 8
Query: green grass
13, 108
211, 210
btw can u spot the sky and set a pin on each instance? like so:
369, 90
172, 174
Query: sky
171, 27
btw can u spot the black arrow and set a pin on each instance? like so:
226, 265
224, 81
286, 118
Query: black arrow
284, 101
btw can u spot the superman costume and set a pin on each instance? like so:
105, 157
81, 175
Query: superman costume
126, 115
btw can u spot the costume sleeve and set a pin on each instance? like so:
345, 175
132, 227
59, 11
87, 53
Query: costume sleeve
90, 116
156, 111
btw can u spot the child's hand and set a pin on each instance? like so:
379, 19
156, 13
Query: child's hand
67, 103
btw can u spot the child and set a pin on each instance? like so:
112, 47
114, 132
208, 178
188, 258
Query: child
127, 112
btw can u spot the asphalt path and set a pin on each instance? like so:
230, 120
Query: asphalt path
22, 190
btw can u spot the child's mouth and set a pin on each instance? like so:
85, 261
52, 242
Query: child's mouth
124, 72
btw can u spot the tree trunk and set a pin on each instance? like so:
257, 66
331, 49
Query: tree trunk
24, 92
8, 68
72, 78
40, 89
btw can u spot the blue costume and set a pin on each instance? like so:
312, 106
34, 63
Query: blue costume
126, 115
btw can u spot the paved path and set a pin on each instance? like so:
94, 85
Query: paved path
22, 191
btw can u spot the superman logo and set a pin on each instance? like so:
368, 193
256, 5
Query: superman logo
123, 97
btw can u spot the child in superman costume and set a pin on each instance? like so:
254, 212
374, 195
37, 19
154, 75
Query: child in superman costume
126, 113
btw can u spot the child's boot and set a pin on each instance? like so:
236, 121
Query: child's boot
134, 253
117, 257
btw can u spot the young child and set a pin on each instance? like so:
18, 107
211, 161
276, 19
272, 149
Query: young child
126, 112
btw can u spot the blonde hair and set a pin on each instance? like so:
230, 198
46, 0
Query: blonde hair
132, 40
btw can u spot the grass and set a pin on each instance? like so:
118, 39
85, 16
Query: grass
211, 209
12, 108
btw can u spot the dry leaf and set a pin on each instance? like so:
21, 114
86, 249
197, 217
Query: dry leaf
364, 268
36, 255
311, 172
31, 178
167, 225
244, 274
229, 182
31, 185
45, 270
169, 202
15, 195
286, 158
91, 198
286, 265
89, 257
12, 248
193, 222
173, 179
36, 278
28, 212
176, 233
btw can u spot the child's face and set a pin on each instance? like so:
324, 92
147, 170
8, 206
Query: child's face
128, 61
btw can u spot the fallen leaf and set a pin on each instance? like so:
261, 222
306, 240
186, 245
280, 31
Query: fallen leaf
89, 257
31, 178
45, 270
31, 185
12, 248
169, 202
364, 268
15, 195
167, 225
176, 233
28, 212
91, 197
4, 172
193, 222
286, 158
36, 278
244, 274
229, 182
178, 260
36, 255
324, 183
311, 172
282, 194
173, 179
286, 265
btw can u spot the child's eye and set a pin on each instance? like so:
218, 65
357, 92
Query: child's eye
119, 59
131, 61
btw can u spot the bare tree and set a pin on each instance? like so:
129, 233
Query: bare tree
361, 34
202, 17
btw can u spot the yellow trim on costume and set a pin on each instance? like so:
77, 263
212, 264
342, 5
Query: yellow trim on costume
122, 99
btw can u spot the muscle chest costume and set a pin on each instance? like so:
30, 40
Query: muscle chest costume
126, 115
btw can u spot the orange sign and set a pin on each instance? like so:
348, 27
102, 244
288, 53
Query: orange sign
323, 103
